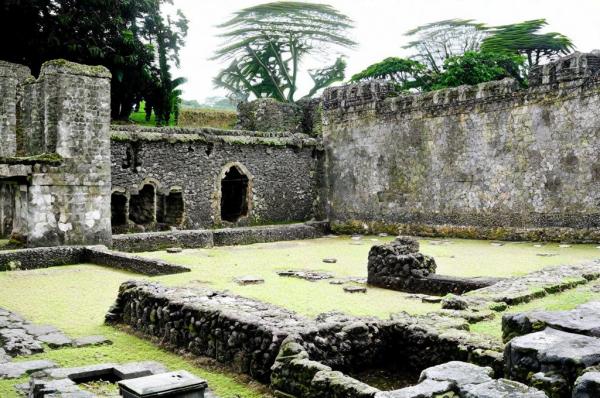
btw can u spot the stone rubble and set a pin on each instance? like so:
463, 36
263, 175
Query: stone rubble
307, 275
20, 337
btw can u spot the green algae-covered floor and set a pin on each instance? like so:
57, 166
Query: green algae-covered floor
75, 298
217, 267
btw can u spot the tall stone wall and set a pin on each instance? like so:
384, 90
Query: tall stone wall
494, 158
61, 156
283, 172
12, 77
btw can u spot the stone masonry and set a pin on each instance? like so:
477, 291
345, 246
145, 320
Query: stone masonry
491, 160
58, 156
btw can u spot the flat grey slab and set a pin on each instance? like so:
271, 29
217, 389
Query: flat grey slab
132, 370
39, 330
164, 383
55, 340
13, 370
248, 280
90, 340
557, 346
501, 388
81, 372
458, 373
425, 389
584, 319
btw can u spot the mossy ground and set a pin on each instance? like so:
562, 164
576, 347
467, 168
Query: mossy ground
75, 298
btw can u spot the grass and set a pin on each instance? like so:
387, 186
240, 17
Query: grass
218, 266
139, 117
75, 298
555, 302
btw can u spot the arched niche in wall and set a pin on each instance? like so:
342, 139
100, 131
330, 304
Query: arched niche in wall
119, 207
142, 206
233, 193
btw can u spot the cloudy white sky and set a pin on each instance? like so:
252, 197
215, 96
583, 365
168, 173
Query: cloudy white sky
380, 28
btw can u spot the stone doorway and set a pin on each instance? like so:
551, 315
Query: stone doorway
234, 194
118, 209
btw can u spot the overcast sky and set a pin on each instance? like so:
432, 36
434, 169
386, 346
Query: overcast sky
380, 28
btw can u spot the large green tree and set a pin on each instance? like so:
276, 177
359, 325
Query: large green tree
126, 36
435, 42
524, 38
265, 45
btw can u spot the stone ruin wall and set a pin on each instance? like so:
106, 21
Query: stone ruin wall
55, 154
283, 170
492, 160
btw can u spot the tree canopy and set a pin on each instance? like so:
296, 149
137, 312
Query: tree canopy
406, 73
454, 52
266, 44
524, 38
474, 67
435, 42
131, 38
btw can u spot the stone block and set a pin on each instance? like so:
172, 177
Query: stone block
14, 370
425, 389
587, 385
550, 351
90, 341
501, 388
458, 373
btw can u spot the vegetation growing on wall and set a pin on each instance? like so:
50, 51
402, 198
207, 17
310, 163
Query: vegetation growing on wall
451, 53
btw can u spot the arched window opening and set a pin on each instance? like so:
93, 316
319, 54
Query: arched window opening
142, 207
234, 195
118, 209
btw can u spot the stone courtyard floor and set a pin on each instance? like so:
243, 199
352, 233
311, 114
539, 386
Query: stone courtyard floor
76, 298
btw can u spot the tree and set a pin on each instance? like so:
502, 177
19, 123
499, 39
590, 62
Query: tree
437, 41
474, 67
523, 38
406, 73
119, 34
266, 44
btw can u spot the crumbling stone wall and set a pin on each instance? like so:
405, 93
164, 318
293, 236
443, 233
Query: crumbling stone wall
398, 265
282, 172
60, 159
493, 156
272, 343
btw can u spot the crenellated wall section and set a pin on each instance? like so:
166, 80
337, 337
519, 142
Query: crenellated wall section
493, 160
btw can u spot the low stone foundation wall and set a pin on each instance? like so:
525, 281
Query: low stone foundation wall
504, 233
398, 265
42, 257
45, 257
249, 335
271, 233
437, 285
128, 262
152, 241
241, 332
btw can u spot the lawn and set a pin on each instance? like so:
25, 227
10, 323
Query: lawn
75, 298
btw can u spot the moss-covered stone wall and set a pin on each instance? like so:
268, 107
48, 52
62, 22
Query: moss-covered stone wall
486, 156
